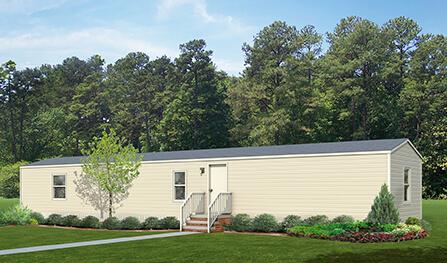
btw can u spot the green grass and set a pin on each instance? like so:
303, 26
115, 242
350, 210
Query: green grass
6, 203
251, 248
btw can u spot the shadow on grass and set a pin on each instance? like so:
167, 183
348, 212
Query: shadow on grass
415, 255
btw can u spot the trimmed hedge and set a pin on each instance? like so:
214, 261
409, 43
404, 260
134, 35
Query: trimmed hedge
130, 223
111, 223
38, 217
170, 222
240, 223
90, 222
343, 219
316, 220
152, 223
265, 223
291, 221
71, 220
54, 219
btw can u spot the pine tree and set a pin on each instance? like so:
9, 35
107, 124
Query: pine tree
383, 211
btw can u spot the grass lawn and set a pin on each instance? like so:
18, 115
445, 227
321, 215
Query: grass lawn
251, 248
6, 203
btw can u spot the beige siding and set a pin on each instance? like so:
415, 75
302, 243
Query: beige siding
306, 186
406, 157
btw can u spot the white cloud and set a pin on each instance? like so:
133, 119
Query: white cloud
232, 67
199, 7
28, 6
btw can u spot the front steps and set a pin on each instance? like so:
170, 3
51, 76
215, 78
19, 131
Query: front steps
198, 223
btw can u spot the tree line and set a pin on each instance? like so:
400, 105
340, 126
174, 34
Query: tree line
371, 81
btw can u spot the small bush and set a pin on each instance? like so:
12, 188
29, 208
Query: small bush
426, 225
151, 223
383, 210
241, 222
38, 217
90, 222
316, 220
71, 220
343, 219
33, 222
170, 222
413, 221
291, 221
111, 223
16, 215
54, 219
130, 223
265, 223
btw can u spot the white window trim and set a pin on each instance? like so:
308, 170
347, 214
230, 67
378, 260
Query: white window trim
173, 185
409, 185
53, 186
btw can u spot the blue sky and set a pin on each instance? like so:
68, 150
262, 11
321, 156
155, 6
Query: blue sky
34, 32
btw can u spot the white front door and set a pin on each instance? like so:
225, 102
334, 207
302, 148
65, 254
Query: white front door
218, 180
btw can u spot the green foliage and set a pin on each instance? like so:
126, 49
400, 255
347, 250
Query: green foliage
169, 222
265, 223
54, 219
16, 215
241, 222
413, 221
90, 222
110, 168
9, 179
38, 217
317, 220
111, 223
152, 223
130, 223
33, 222
383, 210
291, 221
71, 220
342, 219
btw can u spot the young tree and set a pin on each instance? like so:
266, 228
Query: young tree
111, 167
383, 211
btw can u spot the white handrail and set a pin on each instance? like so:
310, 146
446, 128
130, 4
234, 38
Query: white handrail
220, 205
194, 204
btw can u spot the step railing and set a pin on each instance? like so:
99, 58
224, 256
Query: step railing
194, 204
221, 205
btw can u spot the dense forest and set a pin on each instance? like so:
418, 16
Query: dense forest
368, 81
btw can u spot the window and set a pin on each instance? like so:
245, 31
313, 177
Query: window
179, 186
406, 184
59, 186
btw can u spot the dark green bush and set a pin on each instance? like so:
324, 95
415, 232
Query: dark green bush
265, 223
54, 219
383, 210
130, 223
291, 221
152, 223
71, 220
170, 222
343, 219
38, 217
90, 222
413, 221
241, 222
111, 223
316, 220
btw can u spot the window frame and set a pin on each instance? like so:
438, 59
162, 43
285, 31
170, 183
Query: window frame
407, 185
53, 186
173, 185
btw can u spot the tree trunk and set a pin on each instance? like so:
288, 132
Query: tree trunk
110, 204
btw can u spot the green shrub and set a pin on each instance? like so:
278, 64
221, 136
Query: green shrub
111, 223
343, 219
387, 227
241, 222
130, 223
291, 221
16, 215
426, 225
71, 220
90, 222
383, 210
318, 230
33, 222
170, 222
38, 217
9, 179
54, 219
413, 221
316, 220
265, 223
151, 223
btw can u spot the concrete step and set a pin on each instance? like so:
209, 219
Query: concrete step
199, 218
195, 228
196, 223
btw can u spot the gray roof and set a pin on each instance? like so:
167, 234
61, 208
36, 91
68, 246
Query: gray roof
313, 148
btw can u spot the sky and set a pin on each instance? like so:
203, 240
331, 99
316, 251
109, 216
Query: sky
36, 32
